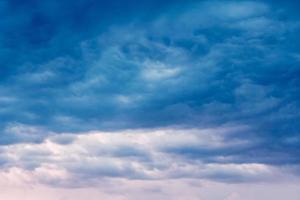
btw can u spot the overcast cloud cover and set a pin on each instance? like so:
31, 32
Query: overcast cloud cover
131, 99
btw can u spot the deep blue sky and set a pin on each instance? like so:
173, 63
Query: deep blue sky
76, 66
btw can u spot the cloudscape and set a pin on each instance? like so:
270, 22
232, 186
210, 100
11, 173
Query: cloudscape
140, 100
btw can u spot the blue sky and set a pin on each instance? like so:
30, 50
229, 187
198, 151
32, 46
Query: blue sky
96, 94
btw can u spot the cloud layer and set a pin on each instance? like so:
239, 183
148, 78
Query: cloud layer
205, 63
85, 159
98, 91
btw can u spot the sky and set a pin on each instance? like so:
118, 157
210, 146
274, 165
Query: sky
137, 100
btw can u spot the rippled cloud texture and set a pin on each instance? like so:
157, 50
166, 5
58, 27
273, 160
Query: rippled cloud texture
148, 99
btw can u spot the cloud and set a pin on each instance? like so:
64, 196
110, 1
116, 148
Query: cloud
159, 72
75, 160
179, 67
146, 190
140, 189
205, 90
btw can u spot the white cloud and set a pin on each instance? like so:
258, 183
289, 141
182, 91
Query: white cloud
156, 71
145, 154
